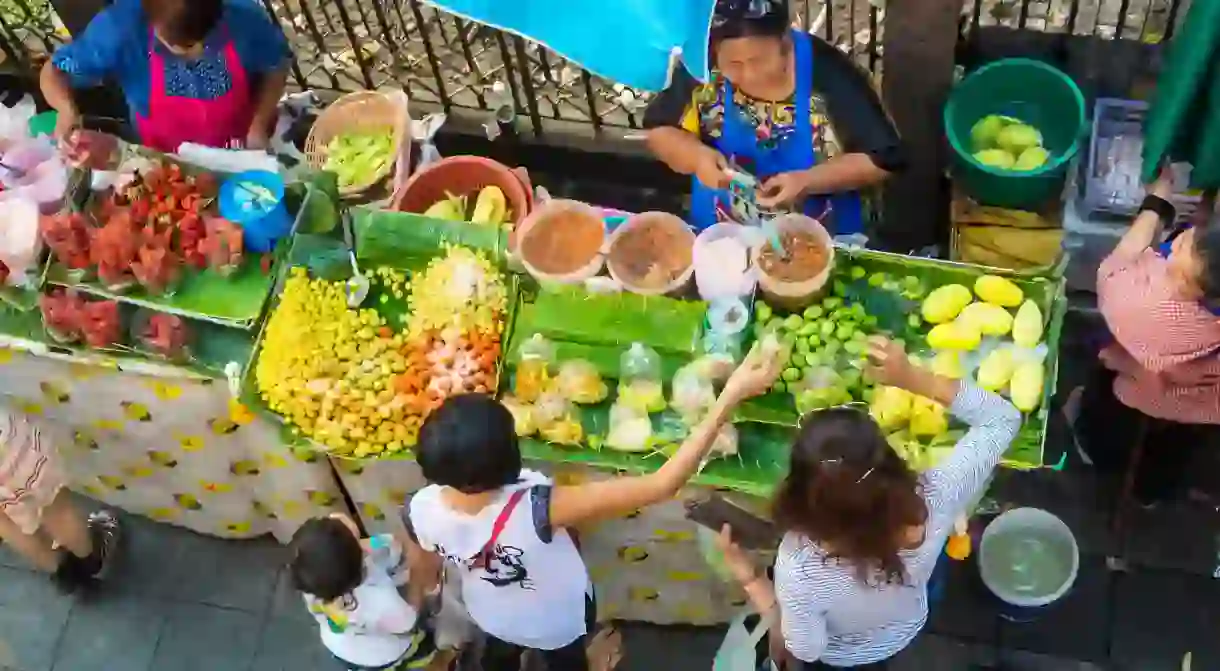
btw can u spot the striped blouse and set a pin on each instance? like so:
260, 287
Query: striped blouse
1166, 351
828, 615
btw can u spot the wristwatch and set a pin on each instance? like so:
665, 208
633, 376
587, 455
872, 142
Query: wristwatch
1163, 209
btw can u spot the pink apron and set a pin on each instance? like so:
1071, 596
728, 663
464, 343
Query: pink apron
173, 120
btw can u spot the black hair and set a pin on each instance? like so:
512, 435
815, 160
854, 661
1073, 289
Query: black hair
327, 560
469, 444
1207, 250
749, 18
184, 23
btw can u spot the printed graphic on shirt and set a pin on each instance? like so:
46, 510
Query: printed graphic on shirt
504, 566
336, 614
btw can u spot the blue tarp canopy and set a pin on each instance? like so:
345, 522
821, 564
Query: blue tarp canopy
626, 41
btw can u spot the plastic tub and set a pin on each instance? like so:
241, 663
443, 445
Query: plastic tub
262, 224
788, 294
684, 237
712, 283
464, 175
560, 213
1028, 558
1038, 95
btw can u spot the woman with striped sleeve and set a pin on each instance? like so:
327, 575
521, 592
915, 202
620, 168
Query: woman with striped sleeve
1159, 379
862, 530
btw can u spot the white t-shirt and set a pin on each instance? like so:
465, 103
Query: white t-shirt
532, 592
374, 625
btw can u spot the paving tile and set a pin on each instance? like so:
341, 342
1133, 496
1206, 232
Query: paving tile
966, 611
289, 645
197, 637
116, 633
287, 603
1177, 537
1160, 616
32, 618
228, 573
148, 558
929, 652
1076, 626
648, 648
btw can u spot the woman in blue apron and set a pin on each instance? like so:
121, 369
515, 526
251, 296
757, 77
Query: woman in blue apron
783, 107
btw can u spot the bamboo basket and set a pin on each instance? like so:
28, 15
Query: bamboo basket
362, 110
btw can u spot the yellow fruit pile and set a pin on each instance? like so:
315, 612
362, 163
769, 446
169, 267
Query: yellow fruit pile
327, 368
960, 324
460, 291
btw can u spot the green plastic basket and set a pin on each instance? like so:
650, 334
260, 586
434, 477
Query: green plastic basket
1035, 93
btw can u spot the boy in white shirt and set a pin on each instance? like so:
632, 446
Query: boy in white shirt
351, 587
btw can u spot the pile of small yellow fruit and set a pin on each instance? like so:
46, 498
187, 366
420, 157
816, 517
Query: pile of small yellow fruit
327, 368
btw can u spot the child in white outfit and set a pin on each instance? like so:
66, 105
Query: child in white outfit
351, 587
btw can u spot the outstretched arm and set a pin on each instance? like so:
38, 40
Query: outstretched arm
573, 505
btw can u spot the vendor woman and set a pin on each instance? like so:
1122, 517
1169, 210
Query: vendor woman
209, 72
783, 106
1158, 382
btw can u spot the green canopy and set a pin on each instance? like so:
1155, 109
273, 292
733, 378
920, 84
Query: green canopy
1184, 120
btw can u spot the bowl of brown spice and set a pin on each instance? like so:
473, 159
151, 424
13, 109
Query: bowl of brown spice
795, 277
652, 254
561, 242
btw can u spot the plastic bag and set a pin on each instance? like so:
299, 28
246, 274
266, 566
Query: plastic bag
821, 387
630, 429
524, 421
558, 421
692, 392
739, 651
535, 358
579, 382
15, 121
725, 444
19, 240
640, 378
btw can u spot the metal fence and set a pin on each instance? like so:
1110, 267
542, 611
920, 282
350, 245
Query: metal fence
459, 66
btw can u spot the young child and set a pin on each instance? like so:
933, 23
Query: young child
351, 588
505, 528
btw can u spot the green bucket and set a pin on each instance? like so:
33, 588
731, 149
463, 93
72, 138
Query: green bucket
1037, 94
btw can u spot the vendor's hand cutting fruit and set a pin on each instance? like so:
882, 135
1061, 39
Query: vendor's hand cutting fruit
784, 106
209, 72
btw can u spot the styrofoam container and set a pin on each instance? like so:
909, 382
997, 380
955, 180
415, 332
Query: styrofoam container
713, 288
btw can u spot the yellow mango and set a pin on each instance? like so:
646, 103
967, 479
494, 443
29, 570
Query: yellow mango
945, 303
490, 207
948, 364
891, 407
927, 418
956, 335
998, 291
1026, 385
1027, 327
997, 369
991, 319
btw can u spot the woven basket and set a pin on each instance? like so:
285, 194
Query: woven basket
356, 112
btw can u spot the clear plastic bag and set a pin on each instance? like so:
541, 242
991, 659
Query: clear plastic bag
725, 444
524, 420
535, 359
640, 378
821, 387
558, 420
630, 429
580, 382
692, 392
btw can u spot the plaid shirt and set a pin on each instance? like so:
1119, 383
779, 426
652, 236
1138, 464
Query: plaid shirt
1166, 351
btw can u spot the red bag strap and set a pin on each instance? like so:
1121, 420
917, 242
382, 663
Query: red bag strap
480, 560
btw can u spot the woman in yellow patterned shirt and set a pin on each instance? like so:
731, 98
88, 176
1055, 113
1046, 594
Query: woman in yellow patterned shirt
784, 106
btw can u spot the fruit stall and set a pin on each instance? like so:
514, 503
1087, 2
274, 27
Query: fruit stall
235, 353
